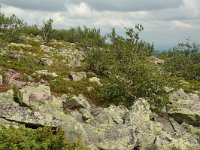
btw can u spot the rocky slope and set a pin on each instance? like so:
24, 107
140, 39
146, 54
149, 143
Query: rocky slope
27, 98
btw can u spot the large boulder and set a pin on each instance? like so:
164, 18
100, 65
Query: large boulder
185, 107
76, 102
111, 128
13, 112
32, 94
151, 134
73, 56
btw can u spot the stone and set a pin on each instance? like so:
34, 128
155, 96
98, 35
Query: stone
7, 97
19, 45
13, 78
46, 61
46, 73
73, 56
95, 80
77, 76
85, 114
35, 93
77, 102
185, 107
46, 48
1, 80
12, 111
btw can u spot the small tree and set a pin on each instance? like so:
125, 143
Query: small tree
47, 30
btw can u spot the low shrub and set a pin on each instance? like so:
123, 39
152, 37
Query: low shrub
35, 139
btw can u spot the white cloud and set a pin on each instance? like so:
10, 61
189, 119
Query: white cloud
163, 25
81, 10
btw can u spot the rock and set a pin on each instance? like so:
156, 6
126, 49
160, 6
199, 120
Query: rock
77, 76
111, 128
46, 48
45, 73
156, 60
95, 80
19, 45
7, 97
185, 107
77, 102
34, 93
73, 56
13, 112
1, 80
13, 78
46, 61
150, 133
85, 114
91, 74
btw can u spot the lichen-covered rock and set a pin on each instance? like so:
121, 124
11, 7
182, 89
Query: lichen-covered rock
46, 61
73, 56
32, 94
77, 102
7, 97
95, 80
12, 111
111, 128
46, 48
185, 107
19, 45
45, 73
13, 78
77, 76
149, 132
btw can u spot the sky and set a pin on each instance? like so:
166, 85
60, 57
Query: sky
165, 23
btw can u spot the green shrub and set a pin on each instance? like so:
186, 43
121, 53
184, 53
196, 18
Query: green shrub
47, 31
11, 27
35, 139
183, 61
99, 60
138, 79
85, 37
130, 75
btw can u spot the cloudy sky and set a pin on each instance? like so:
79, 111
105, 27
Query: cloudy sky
165, 22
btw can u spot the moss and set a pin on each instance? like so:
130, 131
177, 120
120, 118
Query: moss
61, 86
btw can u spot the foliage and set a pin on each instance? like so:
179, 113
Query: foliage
137, 79
83, 36
11, 27
183, 61
25, 65
32, 30
60, 86
129, 74
47, 30
35, 139
99, 60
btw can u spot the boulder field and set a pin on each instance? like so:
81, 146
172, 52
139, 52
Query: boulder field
111, 128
